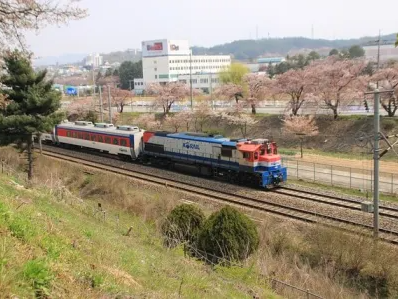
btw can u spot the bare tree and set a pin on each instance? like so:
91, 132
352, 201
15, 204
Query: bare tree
19, 16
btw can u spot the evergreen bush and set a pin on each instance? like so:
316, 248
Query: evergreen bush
182, 225
228, 235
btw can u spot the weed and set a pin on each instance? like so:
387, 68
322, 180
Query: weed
38, 274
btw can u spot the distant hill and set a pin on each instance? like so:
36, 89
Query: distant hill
250, 49
120, 56
62, 59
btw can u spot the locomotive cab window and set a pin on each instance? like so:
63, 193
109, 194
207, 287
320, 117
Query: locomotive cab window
115, 141
226, 152
123, 142
107, 139
262, 152
246, 155
256, 156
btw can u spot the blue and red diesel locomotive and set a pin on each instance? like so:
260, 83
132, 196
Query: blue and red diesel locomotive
255, 162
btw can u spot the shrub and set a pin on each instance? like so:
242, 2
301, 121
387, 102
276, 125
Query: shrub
388, 124
229, 235
183, 224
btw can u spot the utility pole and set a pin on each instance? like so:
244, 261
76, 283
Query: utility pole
190, 77
211, 90
376, 157
109, 103
100, 98
376, 164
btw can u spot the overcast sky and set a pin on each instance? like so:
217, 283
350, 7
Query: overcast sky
122, 24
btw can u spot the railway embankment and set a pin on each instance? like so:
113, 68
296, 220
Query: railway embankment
71, 234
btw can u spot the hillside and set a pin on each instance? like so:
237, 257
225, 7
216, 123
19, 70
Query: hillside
249, 49
63, 247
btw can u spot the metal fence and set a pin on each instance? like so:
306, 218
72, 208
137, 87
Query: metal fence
355, 178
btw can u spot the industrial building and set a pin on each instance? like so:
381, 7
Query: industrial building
171, 61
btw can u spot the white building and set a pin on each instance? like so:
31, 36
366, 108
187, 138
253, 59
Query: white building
387, 51
166, 60
94, 60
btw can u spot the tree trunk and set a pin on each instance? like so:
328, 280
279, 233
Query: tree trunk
253, 108
40, 145
121, 108
335, 114
301, 147
30, 156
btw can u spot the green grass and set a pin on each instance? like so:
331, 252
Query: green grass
342, 190
50, 248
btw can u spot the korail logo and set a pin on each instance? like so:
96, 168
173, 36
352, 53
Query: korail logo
188, 145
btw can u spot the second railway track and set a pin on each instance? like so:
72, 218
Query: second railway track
347, 203
284, 210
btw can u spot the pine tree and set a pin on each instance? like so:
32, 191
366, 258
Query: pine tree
30, 104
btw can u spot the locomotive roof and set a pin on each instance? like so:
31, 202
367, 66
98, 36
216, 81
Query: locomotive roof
92, 128
202, 137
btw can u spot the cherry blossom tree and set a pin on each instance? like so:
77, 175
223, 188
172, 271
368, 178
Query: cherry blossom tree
241, 121
119, 97
201, 115
258, 86
148, 121
229, 91
296, 84
175, 121
388, 80
81, 109
19, 16
335, 81
169, 93
186, 117
301, 126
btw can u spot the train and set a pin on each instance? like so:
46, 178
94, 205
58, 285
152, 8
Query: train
253, 162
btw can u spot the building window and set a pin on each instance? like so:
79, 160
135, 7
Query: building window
204, 80
156, 69
155, 62
156, 76
194, 81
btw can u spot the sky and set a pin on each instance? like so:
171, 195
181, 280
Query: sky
123, 24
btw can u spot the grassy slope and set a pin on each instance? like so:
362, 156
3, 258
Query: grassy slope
47, 245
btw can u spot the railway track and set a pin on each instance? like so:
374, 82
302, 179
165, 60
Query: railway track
226, 197
347, 203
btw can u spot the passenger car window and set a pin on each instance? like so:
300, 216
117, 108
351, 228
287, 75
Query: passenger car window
123, 142
107, 139
93, 137
115, 141
100, 139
